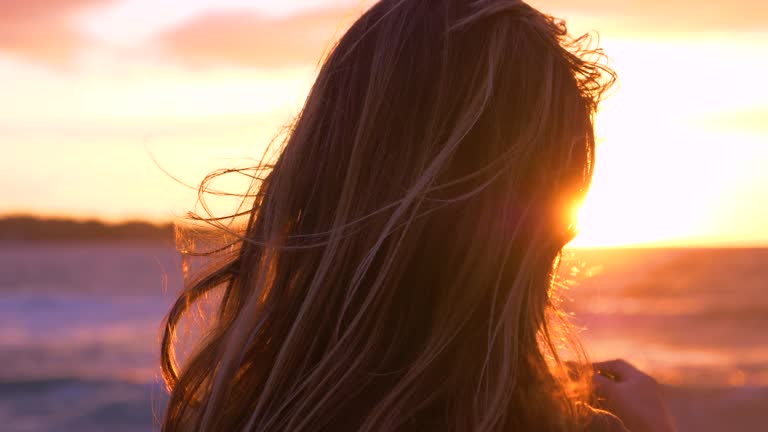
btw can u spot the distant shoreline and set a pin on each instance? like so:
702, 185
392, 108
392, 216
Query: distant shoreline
32, 229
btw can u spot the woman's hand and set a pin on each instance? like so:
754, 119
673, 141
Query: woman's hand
632, 396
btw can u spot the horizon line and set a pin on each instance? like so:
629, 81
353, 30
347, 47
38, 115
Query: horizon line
116, 222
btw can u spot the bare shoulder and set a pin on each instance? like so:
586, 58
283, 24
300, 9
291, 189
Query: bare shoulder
603, 421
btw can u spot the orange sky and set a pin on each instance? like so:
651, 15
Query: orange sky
94, 89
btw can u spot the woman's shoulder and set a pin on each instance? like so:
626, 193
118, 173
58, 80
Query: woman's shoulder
603, 421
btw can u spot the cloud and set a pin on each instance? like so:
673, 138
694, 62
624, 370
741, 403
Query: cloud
247, 38
42, 30
678, 16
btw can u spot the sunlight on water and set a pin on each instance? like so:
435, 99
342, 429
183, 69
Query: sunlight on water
692, 317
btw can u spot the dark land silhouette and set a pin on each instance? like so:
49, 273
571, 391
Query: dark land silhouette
34, 229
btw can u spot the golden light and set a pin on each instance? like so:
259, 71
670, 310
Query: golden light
672, 169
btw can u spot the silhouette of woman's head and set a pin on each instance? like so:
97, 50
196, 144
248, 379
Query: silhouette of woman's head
396, 269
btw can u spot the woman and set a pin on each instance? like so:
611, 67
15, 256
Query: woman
396, 270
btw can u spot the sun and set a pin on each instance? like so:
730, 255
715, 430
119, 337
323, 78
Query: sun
643, 192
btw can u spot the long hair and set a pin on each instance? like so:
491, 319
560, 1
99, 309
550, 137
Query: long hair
397, 267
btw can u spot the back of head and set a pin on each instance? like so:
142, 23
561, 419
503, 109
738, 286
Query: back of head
396, 269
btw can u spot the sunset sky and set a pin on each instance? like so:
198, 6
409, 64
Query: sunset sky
95, 91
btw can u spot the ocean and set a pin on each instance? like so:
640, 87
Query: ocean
79, 336
80, 327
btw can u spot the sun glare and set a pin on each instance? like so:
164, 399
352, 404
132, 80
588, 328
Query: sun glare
641, 197
669, 166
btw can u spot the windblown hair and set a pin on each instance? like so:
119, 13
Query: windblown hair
398, 266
